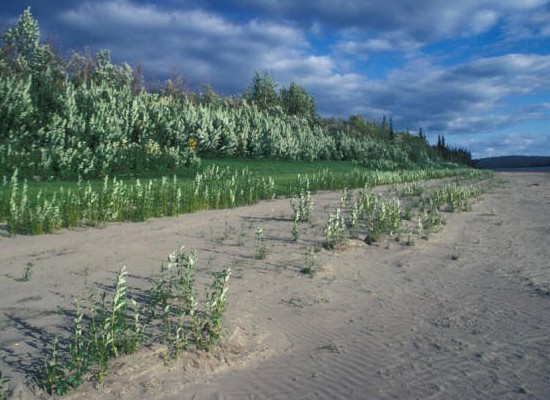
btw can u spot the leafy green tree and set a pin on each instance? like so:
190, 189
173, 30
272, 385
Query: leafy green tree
99, 69
22, 42
296, 101
358, 126
262, 91
118, 76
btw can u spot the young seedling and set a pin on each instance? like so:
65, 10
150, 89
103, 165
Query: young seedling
335, 231
311, 262
303, 206
456, 252
261, 248
4, 387
295, 226
27, 273
410, 239
345, 199
353, 217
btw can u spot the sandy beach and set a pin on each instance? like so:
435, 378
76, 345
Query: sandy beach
462, 315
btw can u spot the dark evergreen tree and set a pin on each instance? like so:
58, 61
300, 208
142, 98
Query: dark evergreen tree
421, 135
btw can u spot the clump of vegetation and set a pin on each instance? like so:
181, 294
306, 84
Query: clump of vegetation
296, 226
174, 300
425, 213
303, 206
111, 331
261, 246
311, 262
4, 387
27, 273
386, 217
108, 327
335, 231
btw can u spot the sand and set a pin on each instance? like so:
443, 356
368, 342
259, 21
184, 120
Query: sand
463, 315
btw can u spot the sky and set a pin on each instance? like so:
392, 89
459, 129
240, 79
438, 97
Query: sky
476, 71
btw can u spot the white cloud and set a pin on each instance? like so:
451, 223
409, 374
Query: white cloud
202, 45
402, 24
509, 142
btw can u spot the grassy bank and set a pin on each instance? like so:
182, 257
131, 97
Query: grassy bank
34, 207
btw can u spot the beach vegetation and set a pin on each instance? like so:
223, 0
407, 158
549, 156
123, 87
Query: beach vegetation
4, 387
311, 262
107, 326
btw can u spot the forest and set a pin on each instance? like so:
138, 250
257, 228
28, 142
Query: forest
85, 116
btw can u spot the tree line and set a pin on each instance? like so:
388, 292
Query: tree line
87, 116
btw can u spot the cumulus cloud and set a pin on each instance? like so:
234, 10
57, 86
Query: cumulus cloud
514, 142
406, 26
202, 45
461, 98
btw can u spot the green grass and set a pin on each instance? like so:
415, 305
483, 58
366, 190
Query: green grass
285, 172
32, 207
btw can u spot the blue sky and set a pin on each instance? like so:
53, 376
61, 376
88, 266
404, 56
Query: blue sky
477, 71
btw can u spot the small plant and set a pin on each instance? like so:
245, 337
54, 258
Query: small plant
335, 231
296, 226
456, 253
410, 239
215, 304
108, 333
384, 217
174, 299
27, 273
345, 199
4, 387
408, 213
311, 262
433, 220
261, 248
78, 350
353, 217
53, 375
420, 228
294, 302
303, 206
411, 189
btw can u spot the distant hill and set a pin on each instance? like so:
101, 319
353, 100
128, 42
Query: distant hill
512, 162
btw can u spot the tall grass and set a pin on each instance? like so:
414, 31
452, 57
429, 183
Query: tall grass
116, 200
325, 179
88, 204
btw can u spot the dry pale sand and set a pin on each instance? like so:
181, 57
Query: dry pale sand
464, 315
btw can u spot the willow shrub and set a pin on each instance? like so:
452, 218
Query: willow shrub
96, 129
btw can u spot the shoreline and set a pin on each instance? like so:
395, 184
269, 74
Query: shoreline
464, 314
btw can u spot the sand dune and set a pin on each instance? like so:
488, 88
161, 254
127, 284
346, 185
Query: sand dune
463, 315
